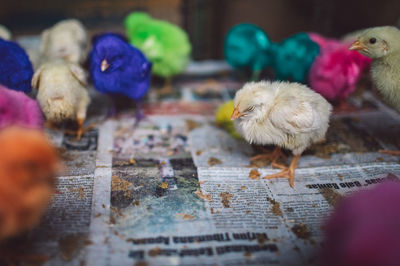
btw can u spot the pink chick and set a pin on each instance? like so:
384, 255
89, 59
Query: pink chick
336, 70
16, 108
364, 229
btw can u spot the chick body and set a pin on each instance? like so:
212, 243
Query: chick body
5, 33
289, 115
65, 40
62, 94
16, 108
28, 165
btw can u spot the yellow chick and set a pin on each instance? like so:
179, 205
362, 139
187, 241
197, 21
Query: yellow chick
289, 115
223, 119
67, 40
382, 44
62, 92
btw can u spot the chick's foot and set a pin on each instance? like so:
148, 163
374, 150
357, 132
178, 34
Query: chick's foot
81, 130
287, 172
269, 157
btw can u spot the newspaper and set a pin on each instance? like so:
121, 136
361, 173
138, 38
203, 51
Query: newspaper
179, 190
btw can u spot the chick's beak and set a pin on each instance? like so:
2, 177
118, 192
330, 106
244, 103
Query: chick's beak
357, 45
104, 65
236, 114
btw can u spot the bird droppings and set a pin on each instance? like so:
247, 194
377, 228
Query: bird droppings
331, 196
276, 209
135, 203
225, 198
243, 187
340, 177
190, 124
301, 231
154, 252
117, 211
164, 185
69, 246
261, 238
119, 184
214, 161
80, 190
199, 152
254, 174
141, 263
185, 216
203, 196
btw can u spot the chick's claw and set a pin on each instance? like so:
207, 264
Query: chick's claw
287, 172
273, 157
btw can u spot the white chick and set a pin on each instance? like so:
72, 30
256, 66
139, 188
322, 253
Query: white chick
62, 92
67, 40
5, 34
289, 115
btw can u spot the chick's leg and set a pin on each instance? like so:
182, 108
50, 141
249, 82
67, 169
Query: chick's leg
288, 172
273, 157
167, 88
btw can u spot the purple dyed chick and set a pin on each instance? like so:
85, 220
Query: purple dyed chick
117, 67
365, 228
16, 70
16, 108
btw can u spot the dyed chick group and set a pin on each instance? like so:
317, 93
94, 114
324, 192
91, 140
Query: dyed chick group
117, 67
289, 115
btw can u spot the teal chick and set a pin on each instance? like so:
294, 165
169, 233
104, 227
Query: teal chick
166, 45
248, 46
293, 57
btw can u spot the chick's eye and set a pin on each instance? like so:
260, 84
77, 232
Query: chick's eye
372, 40
250, 109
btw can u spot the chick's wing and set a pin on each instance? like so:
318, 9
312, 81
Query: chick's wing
294, 116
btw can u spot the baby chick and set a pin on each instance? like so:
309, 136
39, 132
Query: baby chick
363, 229
5, 33
166, 45
382, 44
28, 165
16, 108
15, 68
62, 92
289, 115
117, 67
66, 40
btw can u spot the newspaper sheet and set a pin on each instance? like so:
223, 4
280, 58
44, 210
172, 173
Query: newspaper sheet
178, 190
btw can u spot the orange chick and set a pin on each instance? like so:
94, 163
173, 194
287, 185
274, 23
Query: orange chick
28, 165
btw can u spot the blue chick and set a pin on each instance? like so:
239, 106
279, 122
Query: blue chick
16, 70
117, 67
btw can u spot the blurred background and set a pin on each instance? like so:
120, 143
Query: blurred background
207, 21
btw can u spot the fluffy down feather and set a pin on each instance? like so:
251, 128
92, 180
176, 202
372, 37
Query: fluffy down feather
289, 115
28, 165
15, 68
166, 45
65, 40
16, 108
62, 92
336, 70
118, 67
364, 228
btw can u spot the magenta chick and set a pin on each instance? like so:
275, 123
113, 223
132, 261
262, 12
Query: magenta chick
336, 70
364, 229
16, 108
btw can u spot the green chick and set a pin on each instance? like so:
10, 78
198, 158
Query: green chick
166, 45
382, 44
